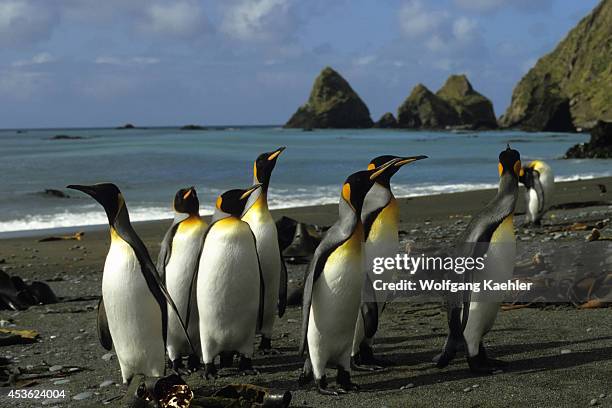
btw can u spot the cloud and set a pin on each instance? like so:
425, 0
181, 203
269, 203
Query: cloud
132, 61
22, 85
464, 28
416, 20
487, 6
38, 59
259, 19
365, 60
176, 19
24, 22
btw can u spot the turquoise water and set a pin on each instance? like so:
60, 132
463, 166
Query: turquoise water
149, 165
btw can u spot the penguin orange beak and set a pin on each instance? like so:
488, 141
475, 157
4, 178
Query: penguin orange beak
381, 169
250, 191
407, 160
188, 193
89, 190
276, 153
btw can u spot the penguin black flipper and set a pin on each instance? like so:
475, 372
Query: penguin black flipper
369, 310
282, 288
165, 252
262, 289
154, 282
103, 332
327, 246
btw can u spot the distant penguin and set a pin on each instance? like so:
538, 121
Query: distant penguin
177, 263
273, 268
133, 309
539, 182
332, 289
490, 235
230, 287
380, 218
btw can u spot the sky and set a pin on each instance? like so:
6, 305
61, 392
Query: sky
91, 63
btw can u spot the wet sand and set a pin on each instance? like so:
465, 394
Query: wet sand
560, 356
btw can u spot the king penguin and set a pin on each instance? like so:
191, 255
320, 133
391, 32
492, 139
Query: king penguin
332, 289
177, 263
539, 182
490, 235
273, 268
230, 287
133, 308
380, 219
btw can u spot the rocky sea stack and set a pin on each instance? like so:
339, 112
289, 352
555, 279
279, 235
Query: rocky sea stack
455, 105
572, 86
474, 110
332, 104
599, 147
386, 121
424, 109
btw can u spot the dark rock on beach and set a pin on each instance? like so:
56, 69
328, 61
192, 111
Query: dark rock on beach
599, 147
474, 110
424, 109
332, 104
386, 121
51, 192
571, 86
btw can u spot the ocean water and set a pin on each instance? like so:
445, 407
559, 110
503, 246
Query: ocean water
150, 165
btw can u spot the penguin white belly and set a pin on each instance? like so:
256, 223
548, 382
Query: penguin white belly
336, 298
133, 315
499, 266
228, 290
263, 227
179, 273
532, 204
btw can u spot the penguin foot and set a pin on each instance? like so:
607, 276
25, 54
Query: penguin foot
246, 366
210, 371
265, 347
193, 363
306, 376
344, 382
481, 364
322, 388
444, 358
226, 359
357, 365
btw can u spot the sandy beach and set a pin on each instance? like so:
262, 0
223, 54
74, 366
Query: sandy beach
559, 355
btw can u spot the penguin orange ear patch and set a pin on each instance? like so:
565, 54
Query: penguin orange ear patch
346, 192
255, 170
219, 202
518, 168
371, 166
500, 168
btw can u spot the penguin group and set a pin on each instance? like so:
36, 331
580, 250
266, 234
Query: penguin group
216, 287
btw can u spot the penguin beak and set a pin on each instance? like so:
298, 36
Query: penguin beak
89, 190
188, 193
276, 153
407, 160
250, 191
381, 169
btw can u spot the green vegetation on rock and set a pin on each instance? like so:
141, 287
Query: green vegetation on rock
423, 109
332, 104
473, 108
386, 121
575, 77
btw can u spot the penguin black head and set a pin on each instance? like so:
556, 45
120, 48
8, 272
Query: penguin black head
106, 194
358, 184
263, 166
186, 201
232, 202
510, 162
385, 177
